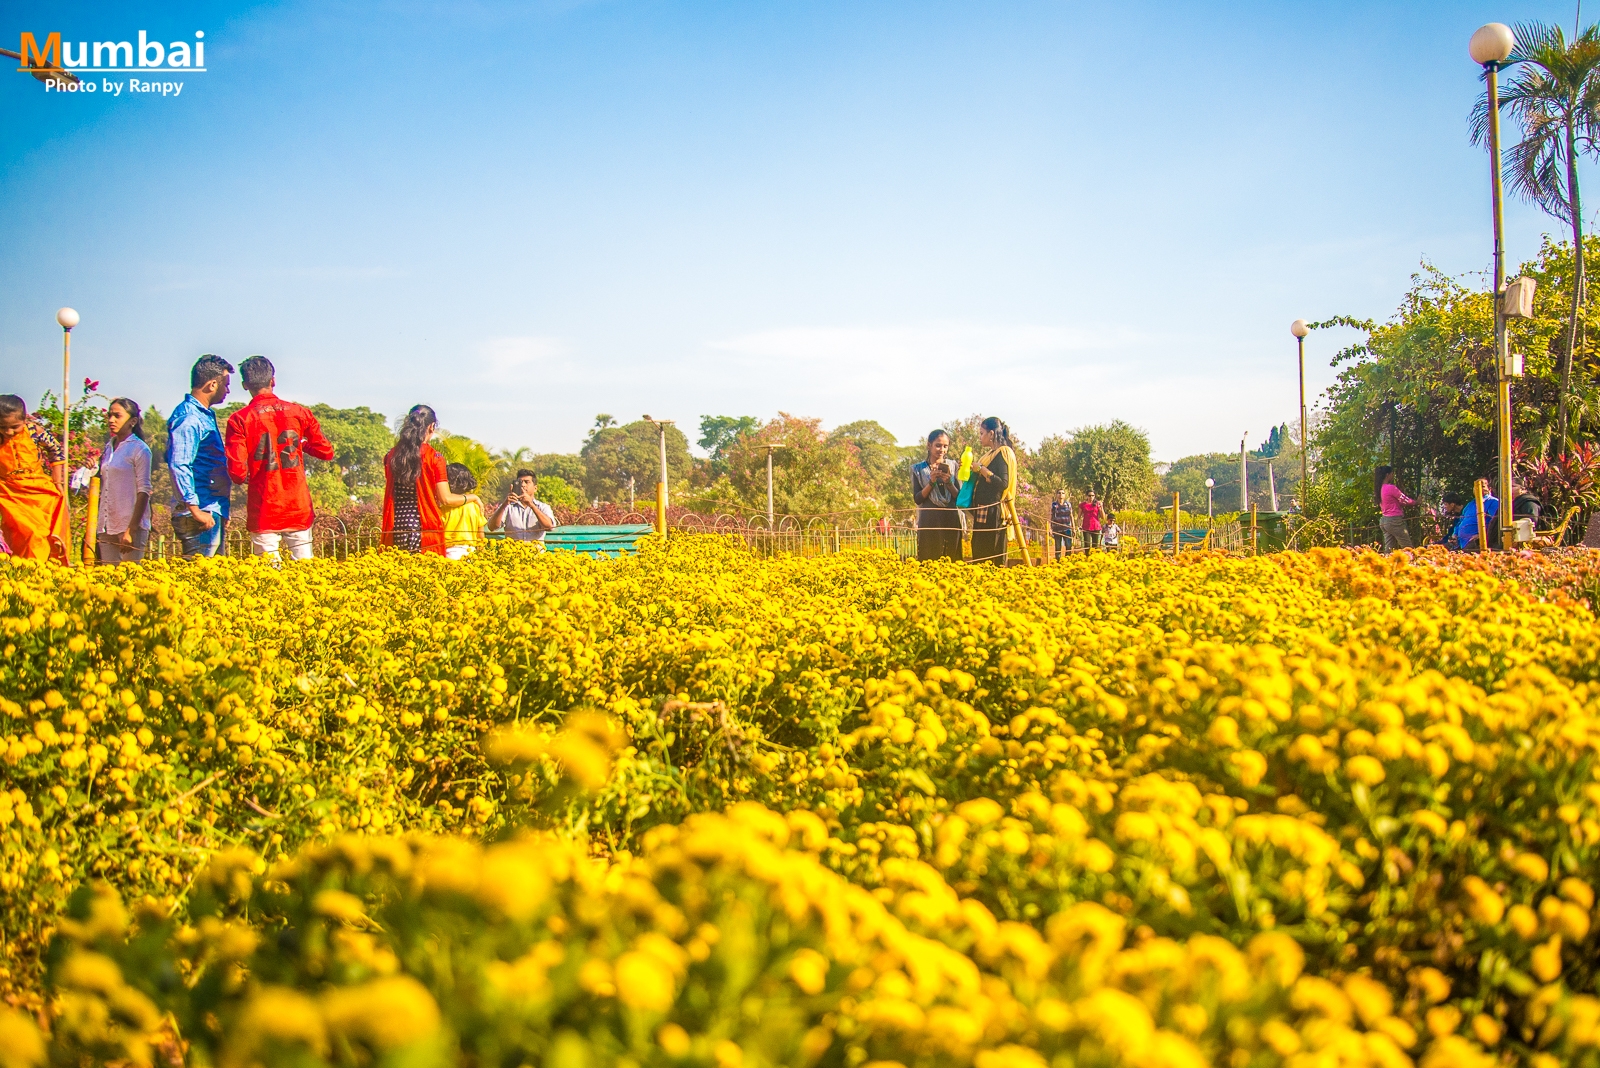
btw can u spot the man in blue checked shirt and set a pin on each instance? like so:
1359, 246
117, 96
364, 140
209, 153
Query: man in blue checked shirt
197, 461
1061, 522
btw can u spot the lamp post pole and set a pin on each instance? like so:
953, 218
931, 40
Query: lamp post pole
1300, 328
1244, 475
68, 318
1210, 515
661, 487
770, 449
1490, 47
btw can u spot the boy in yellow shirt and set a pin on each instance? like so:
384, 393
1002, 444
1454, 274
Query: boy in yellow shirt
463, 525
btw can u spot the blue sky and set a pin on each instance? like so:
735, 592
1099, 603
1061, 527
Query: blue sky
528, 213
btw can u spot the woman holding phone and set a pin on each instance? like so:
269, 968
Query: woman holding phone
934, 487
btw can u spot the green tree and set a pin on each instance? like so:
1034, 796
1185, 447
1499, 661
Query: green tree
555, 490
876, 449
1554, 94
718, 434
813, 473
1277, 439
1421, 388
471, 454
1187, 478
964, 432
1113, 460
613, 454
361, 438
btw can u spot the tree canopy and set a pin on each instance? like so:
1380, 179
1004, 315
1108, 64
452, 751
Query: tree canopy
1112, 459
612, 454
1421, 389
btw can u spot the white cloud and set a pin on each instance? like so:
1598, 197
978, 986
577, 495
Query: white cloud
525, 360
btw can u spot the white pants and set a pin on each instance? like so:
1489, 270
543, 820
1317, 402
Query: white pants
296, 544
111, 551
458, 552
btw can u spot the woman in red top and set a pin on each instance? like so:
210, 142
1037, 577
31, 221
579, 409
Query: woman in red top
1093, 513
417, 488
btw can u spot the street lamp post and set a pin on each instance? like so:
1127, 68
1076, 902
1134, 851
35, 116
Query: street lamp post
68, 319
1244, 475
770, 449
1210, 485
661, 487
1300, 328
1490, 47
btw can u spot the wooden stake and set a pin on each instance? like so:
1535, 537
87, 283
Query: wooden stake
1177, 532
90, 539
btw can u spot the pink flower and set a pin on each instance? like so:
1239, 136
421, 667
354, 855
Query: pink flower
90, 384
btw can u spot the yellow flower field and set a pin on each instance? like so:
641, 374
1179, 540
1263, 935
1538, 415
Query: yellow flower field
700, 808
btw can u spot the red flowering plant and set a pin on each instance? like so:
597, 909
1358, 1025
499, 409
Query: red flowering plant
1562, 482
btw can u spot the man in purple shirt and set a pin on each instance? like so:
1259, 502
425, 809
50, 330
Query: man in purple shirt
1061, 522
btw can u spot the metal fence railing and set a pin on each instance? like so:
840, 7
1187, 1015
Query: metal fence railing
809, 536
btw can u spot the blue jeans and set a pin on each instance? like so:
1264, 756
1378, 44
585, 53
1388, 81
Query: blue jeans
194, 539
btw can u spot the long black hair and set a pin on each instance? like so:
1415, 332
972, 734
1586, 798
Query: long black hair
134, 413
998, 427
1379, 477
407, 462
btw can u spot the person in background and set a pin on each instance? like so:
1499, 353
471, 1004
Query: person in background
1111, 536
1450, 506
522, 515
995, 481
1093, 518
464, 523
33, 510
1392, 503
1525, 505
1466, 532
416, 488
197, 461
123, 531
1061, 522
934, 487
267, 443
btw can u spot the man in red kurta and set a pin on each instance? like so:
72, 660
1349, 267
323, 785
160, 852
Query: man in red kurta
267, 442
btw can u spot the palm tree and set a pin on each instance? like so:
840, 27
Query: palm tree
1554, 95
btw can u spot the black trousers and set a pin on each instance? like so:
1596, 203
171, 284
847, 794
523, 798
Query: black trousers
988, 536
939, 543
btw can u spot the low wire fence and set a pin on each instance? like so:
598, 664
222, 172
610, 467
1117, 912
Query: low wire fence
817, 535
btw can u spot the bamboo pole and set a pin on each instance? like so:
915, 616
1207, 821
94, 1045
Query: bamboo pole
1014, 522
92, 520
1177, 531
1483, 530
1254, 532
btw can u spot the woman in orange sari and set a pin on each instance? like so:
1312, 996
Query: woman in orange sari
33, 513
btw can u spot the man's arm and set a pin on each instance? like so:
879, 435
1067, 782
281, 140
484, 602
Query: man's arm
544, 515
495, 517
141, 485
236, 444
181, 448
312, 439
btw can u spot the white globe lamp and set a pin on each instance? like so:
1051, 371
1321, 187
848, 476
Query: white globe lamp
1491, 44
